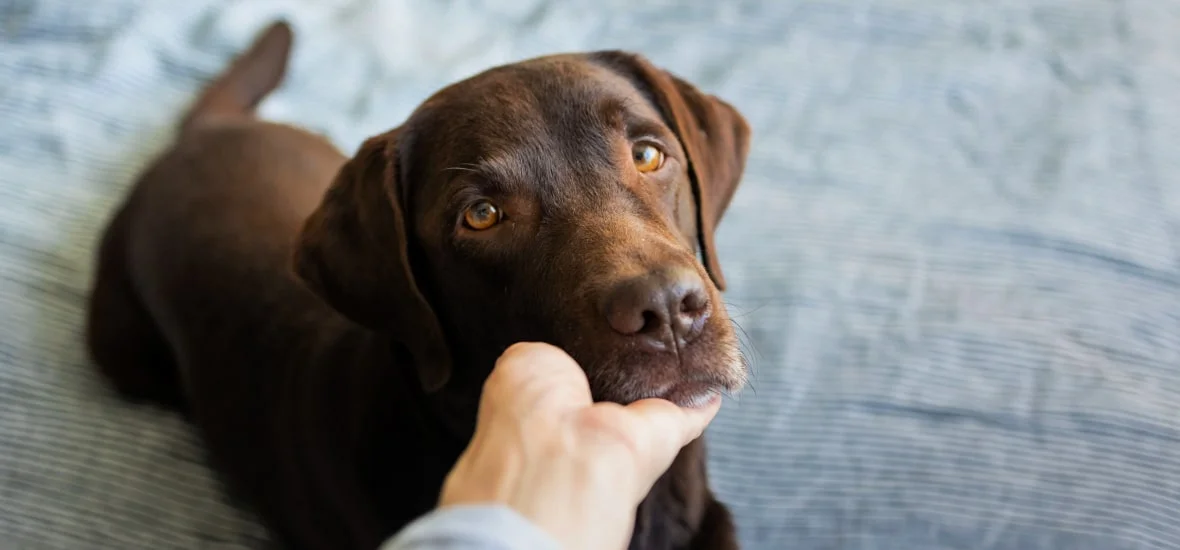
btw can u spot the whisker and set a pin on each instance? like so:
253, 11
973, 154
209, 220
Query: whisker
741, 312
459, 169
745, 339
748, 354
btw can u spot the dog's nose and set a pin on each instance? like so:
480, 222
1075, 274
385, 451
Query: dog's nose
660, 310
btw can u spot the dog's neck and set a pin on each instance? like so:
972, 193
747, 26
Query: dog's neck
396, 393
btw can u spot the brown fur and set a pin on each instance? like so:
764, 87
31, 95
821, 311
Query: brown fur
327, 322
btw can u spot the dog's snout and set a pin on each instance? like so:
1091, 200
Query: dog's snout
660, 310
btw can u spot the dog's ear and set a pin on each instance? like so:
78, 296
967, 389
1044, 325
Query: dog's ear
715, 136
353, 252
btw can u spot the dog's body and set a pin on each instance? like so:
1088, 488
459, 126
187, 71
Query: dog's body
328, 401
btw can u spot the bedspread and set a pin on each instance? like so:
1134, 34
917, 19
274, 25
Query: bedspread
953, 256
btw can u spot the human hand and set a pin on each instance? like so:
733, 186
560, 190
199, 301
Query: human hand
575, 468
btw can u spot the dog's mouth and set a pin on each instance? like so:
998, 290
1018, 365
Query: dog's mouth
689, 384
689, 394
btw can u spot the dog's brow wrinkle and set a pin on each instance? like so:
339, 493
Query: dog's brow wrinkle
614, 110
469, 167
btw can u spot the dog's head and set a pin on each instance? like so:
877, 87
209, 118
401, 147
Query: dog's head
562, 199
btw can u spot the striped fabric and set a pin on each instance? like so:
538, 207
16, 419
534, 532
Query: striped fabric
954, 256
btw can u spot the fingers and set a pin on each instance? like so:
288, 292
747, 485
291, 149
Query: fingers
541, 379
681, 425
539, 389
667, 428
646, 435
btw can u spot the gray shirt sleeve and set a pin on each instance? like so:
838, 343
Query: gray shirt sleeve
471, 527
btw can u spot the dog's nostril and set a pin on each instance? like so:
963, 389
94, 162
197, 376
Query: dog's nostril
651, 323
694, 302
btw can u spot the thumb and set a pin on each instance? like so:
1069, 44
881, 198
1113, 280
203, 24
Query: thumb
661, 429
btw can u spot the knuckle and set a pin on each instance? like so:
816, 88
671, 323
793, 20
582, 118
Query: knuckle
515, 349
522, 349
533, 352
608, 422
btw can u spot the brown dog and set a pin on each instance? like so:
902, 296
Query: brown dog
327, 322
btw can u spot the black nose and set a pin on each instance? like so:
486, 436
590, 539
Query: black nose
660, 310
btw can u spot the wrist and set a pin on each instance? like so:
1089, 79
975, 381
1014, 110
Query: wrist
478, 525
478, 478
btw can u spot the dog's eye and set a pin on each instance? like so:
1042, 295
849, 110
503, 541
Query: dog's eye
647, 157
482, 215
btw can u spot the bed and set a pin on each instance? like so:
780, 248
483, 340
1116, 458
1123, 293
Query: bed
954, 255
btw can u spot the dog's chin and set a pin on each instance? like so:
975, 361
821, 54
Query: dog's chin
695, 380
688, 394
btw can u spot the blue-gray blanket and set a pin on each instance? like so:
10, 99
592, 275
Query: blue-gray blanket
955, 252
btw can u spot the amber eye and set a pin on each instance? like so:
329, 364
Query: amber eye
482, 215
647, 157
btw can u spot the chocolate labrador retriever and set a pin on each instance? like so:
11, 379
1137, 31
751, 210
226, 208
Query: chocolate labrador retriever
327, 322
